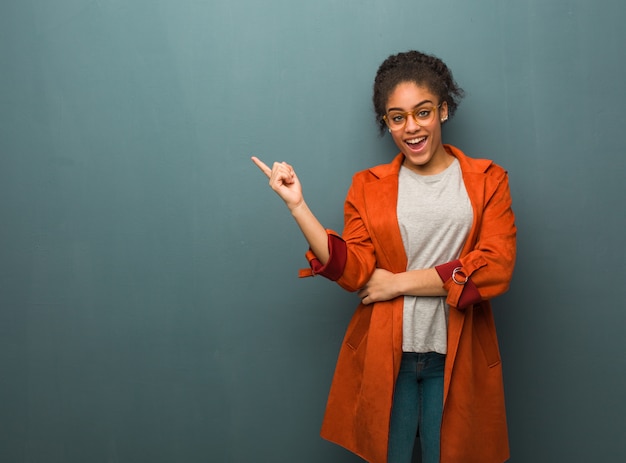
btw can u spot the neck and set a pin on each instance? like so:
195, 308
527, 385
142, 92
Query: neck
440, 161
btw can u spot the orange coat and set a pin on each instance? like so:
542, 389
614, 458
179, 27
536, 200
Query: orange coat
358, 411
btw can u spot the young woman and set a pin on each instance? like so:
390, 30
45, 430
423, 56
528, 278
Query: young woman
428, 240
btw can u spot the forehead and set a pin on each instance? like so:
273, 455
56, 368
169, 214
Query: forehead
407, 95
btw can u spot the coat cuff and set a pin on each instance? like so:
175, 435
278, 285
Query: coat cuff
462, 292
336, 262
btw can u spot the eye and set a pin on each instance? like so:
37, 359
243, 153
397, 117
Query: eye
424, 113
396, 118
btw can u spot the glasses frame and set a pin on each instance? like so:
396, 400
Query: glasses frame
412, 113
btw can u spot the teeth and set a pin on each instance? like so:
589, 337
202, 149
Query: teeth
416, 140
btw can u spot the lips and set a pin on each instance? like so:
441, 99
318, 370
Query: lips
416, 143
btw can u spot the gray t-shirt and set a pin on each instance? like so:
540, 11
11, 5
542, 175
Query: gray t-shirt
435, 216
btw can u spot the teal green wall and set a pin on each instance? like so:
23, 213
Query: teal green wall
149, 305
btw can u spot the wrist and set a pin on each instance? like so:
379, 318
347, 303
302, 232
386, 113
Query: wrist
297, 208
404, 283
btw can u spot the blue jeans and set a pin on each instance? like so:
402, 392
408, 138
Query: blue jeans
417, 407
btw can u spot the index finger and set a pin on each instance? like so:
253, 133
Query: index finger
261, 165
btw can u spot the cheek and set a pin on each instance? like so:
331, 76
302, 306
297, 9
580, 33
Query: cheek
397, 139
434, 128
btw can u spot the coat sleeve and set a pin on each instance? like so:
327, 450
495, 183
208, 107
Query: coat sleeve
352, 258
336, 260
360, 255
486, 270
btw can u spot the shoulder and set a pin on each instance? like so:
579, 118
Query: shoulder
379, 172
478, 166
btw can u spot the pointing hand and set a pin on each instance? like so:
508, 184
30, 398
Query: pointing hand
284, 181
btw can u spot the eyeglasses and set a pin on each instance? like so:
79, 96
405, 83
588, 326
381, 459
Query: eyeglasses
396, 120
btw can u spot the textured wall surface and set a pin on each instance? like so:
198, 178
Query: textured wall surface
150, 309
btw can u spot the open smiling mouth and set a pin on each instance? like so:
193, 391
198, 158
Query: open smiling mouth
416, 143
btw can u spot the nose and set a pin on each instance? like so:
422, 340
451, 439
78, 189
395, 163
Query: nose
411, 124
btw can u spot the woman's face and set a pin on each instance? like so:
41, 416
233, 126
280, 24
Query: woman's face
419, 140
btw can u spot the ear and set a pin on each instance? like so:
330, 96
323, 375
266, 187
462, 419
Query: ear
443, 112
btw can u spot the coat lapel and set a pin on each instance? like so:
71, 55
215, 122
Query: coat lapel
381, 199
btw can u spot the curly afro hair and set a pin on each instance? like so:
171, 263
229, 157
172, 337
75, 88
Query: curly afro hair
420, 68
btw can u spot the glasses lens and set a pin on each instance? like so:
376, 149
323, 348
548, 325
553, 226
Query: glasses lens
396, 119
424, 116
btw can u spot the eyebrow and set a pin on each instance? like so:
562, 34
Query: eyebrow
416, 106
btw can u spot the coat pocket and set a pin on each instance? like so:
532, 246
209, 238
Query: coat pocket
485, 328
359, 326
